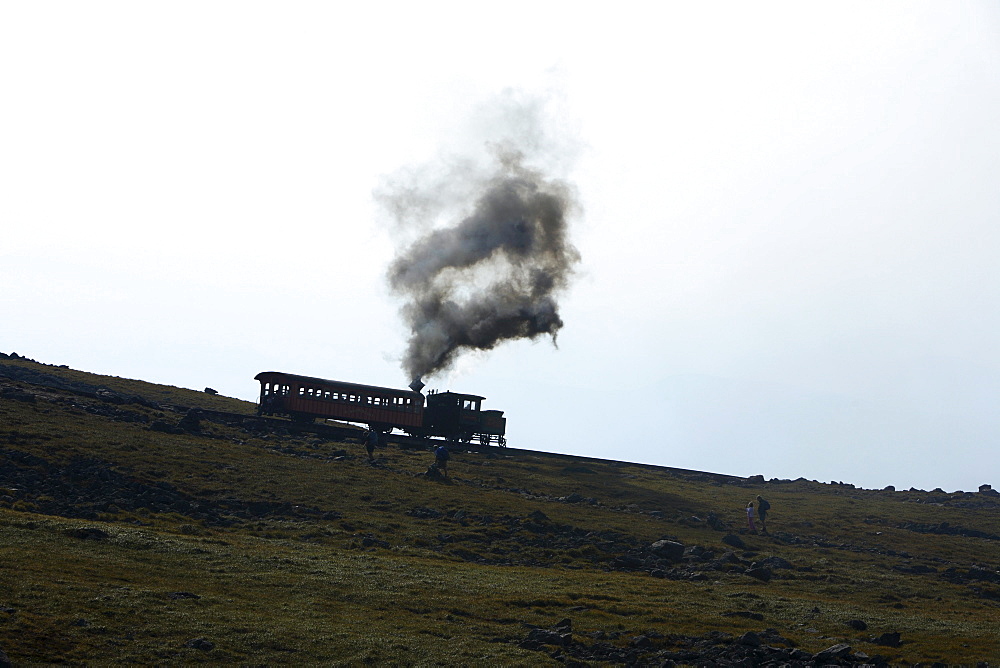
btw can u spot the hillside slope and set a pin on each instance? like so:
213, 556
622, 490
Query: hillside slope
134, 530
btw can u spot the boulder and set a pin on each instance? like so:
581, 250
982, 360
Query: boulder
191, 420
200, 644
733, 540
549, 637
668, 549
762, 574
888, 639
774, 563
837, 651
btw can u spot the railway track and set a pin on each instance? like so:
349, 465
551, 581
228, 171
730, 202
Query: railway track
348, 434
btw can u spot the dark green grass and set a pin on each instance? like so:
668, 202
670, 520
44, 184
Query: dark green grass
368, 576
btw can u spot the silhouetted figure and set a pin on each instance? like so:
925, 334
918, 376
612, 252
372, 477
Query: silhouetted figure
441, 457
371, 441
762, 507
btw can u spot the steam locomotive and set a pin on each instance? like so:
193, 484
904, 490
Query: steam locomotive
449, 415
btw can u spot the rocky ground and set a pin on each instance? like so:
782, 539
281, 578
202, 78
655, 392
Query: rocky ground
89, 488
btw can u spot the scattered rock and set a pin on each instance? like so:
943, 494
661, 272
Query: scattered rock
165, 427
668, 549
425, 513
888, 639
838, 651
369, 541
200, 644
762, 574
734, 541
857, 625
191, 420
15, 394
774, 563
541, 636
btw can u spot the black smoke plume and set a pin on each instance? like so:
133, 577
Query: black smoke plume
493, 273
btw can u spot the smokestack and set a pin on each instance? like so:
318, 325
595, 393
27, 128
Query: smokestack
416, 385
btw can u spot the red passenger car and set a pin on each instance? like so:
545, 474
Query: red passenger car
306, 398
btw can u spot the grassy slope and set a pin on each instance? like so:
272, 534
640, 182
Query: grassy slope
356, 569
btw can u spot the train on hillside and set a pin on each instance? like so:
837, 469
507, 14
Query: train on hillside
449, 415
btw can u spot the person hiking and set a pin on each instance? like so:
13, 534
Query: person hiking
371, 441
750, 517
762, 507
441, 457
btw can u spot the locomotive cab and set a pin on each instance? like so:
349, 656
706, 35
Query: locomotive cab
453, 415
460, 417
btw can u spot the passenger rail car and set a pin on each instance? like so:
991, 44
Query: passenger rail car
450, 415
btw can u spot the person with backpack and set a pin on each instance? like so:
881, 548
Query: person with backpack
762, 507
441, 457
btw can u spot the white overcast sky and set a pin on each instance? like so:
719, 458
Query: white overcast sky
789, 234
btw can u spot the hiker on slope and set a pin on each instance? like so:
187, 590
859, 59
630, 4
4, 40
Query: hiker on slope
762, 507
441, 457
